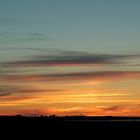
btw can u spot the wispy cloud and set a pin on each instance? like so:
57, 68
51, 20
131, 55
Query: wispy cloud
6, 90
95, 111
103, 75
22, 36
69, 87
69, 58
110, 108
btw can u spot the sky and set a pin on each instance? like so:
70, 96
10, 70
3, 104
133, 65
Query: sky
70, 57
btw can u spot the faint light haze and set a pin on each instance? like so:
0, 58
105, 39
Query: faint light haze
70, 57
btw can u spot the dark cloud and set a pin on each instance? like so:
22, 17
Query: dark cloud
69, 58
9, 90
15, 93
111, 108
6, 91
16, 98
37, 90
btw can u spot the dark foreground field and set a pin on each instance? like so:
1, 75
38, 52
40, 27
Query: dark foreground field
69, 127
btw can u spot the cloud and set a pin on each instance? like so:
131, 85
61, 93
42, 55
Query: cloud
102, 75
136, 65
20, 90
25, 94
6, 91
21, 36
69, 58
32, 49
33, 37
110, 108
15, 98
95, 75
30, 91
95, 111
14, 93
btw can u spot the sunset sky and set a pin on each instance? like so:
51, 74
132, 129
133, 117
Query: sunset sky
70, 57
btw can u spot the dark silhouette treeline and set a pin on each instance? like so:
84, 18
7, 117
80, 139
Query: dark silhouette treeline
71, 118
73, 127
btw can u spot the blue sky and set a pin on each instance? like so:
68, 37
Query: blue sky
94, 25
